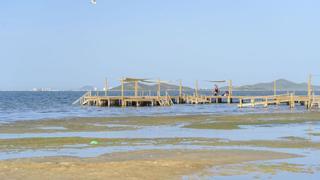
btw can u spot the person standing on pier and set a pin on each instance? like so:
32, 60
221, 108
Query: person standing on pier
215, 90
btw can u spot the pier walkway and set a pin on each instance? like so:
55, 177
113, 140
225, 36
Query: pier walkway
123, 98
166, 100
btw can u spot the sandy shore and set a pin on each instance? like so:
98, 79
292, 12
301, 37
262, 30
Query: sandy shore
148, 164
183, 156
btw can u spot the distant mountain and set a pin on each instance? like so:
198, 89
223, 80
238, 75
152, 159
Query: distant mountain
282, 85
151, 87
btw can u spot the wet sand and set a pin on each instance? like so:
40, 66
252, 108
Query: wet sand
152, 164
22, 144
94, 124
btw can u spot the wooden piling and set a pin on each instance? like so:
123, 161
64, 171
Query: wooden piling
135, 88
292, 102
230, 92
196, 88
180, 88
240, 103
275, 88
159, 88
252, 102
106, 87
122, 93
266, 102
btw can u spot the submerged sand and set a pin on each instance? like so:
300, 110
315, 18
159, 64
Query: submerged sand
147, 164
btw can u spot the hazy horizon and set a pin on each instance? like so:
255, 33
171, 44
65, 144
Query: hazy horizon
68, 44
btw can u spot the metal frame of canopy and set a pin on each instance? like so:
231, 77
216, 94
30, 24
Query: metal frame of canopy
159, 85
146, 80
136, 85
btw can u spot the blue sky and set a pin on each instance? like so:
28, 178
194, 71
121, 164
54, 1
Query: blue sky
66, 44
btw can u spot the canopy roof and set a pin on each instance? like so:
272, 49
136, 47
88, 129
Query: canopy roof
221, 81
127, 79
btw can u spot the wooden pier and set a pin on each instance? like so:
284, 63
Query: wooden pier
158, 99
242, 101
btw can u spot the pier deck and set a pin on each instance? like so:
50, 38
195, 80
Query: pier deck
242, 101
124, 99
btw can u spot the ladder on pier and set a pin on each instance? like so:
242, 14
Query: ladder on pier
82, 100
315, 102
165, 101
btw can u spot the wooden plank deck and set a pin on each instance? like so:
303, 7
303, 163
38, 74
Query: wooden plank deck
123, 99
243, 101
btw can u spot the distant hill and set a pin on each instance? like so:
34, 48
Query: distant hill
151, 87
282, 84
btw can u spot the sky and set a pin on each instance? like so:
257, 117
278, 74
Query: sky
66, 44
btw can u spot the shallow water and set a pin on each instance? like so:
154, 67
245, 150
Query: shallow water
272, 132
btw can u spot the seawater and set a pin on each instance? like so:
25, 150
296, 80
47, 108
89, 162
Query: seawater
27, 105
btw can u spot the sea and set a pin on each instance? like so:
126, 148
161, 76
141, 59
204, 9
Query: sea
28, 105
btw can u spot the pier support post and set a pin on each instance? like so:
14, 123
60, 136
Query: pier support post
309, 92
275, 88
122, 93
292, 102
266, 102
196, 89
180, 89
159, 88
252, 102
135, 88
109, 103
230, 92
106, 87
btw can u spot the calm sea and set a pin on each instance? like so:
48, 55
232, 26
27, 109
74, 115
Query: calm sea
44, 105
